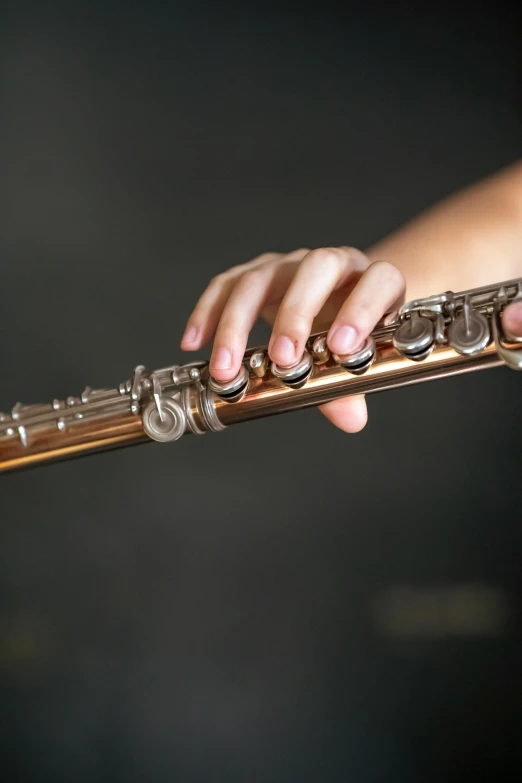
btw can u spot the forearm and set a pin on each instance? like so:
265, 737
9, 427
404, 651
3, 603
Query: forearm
470, 239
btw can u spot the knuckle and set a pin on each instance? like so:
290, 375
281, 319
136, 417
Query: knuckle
254, 277
264, 258
269, 256
218, 280
389, 274
351, 251
229, 275
355, 256
323, 257
325, 253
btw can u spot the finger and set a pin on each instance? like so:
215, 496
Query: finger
244, 306
319, 274
204, 318
380, 288
512, 319
350, 414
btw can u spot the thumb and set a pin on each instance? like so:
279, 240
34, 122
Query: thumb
512, 320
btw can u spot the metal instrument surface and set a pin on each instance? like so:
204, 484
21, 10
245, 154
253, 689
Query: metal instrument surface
426, 339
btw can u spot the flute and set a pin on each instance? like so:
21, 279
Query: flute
434, 337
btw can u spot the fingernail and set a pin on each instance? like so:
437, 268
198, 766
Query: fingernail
222, 359
191, 332
342, 339
283, 350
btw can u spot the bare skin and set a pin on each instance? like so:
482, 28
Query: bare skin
470, 239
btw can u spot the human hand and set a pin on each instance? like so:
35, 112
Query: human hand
334, 288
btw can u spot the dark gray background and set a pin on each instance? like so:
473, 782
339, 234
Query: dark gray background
207, 610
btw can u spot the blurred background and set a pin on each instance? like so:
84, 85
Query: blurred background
280, 602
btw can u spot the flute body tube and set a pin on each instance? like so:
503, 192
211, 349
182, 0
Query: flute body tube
436, 337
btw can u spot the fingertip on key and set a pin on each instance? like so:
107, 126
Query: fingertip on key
283, 351
222, 364
342, 338
512, 318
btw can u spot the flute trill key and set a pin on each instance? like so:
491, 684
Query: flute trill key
259, 363
320, 350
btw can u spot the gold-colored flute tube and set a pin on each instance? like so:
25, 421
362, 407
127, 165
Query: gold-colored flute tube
436, 337
268, 396
265, 396
124, 429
